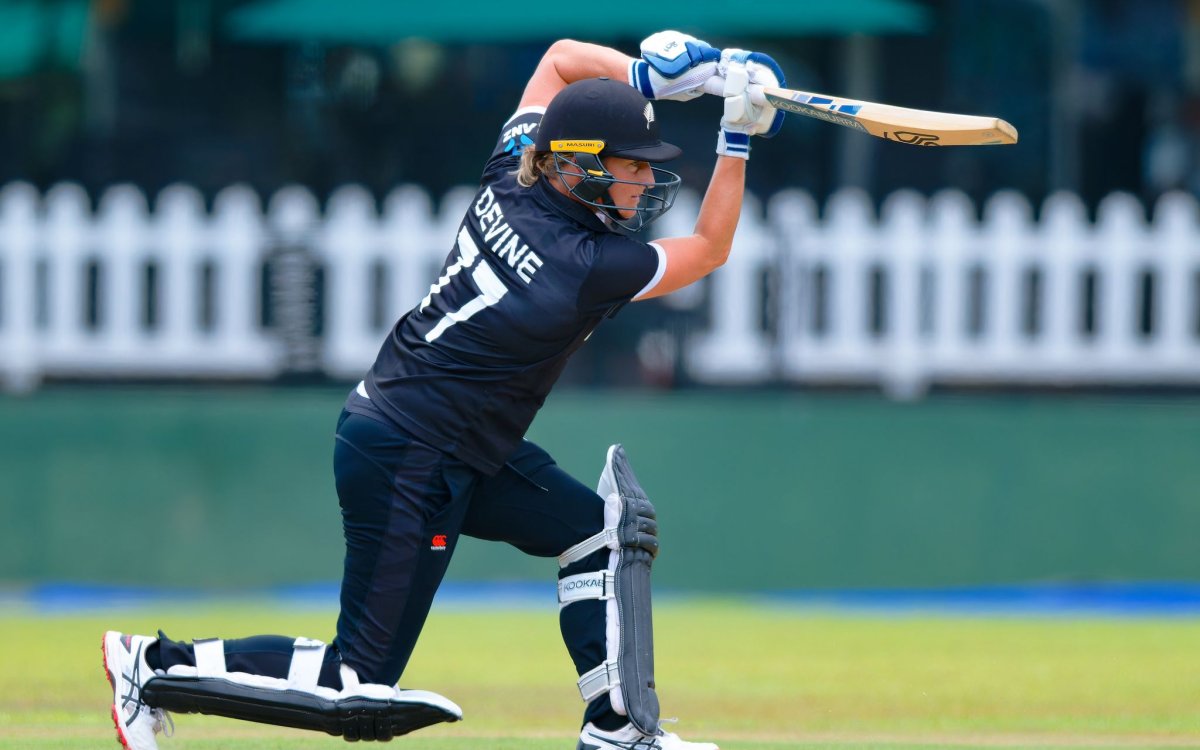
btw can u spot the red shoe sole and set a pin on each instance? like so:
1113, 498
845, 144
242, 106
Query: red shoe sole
113, 686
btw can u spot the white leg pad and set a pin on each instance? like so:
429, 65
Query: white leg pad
308, 656
210, 657
630, 534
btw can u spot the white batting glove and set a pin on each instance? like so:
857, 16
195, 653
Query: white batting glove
760, 70
674, 66
740, 115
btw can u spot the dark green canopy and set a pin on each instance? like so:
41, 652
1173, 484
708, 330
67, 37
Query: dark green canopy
35, 32
386, 21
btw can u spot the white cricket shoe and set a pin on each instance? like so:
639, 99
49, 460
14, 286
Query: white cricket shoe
629, 738
127, 670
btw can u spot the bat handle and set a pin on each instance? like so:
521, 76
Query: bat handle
716, 87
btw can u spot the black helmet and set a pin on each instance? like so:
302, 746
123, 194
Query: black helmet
600, 109
594, 118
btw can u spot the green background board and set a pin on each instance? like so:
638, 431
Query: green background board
385, 21
763, 490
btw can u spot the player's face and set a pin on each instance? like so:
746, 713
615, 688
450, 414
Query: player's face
624, 194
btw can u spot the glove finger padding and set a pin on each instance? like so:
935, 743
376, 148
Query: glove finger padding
740, 70
670, 53
764, 71
740, 113
674, 66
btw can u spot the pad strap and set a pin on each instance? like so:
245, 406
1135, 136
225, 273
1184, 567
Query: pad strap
210, 657
308, 656
598, 681
600, 584
598, 541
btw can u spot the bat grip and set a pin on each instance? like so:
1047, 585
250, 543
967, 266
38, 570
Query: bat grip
716, 87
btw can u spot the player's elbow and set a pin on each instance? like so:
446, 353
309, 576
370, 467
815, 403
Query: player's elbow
563, 49
718, 253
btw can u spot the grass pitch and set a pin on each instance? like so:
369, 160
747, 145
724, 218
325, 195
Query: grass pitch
748, 677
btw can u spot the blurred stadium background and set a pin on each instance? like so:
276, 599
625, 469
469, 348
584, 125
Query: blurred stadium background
926, 377
951, 381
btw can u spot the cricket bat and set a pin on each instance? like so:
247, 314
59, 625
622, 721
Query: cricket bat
917, 127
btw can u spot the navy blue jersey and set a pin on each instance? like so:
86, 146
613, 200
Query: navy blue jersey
530, 276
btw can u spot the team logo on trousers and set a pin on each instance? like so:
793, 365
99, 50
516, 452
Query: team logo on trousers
439, 543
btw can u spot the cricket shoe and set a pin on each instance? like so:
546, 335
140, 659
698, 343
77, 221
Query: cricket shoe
127, 670
629, 738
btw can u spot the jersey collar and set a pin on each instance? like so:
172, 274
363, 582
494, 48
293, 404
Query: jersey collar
573, 210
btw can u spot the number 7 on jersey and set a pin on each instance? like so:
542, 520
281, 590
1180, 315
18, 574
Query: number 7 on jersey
491, 288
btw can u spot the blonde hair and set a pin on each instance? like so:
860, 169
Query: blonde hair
533, 165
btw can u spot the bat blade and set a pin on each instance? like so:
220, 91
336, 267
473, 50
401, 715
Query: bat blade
917, 127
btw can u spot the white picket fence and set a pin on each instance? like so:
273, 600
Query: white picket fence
925, 293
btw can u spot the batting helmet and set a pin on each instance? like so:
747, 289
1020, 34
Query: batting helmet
598, 117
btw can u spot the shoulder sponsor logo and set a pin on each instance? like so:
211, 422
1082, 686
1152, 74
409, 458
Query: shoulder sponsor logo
516, 139
518, 130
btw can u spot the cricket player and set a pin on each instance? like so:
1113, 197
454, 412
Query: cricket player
430, 446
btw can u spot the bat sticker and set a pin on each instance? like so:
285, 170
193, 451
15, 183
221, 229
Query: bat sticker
916, 139
834, 116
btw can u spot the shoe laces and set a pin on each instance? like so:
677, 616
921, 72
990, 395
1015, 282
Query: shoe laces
162, 721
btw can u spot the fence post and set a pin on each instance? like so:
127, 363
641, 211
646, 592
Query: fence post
180, 239
1065, 239
413, 255
903, 371
1120, 234
850, 236
239, 241
1006, 235
293, 219
793, 216
735, 349
955, 238
67, 227
348, 239
1174, 240
20, 368
120, 241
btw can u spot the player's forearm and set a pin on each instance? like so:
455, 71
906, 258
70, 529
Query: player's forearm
574, 61
721, 208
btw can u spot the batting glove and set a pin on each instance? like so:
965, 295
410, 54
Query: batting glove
742, 116
761, 70
674, 66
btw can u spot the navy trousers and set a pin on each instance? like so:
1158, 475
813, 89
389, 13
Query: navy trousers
404, 507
